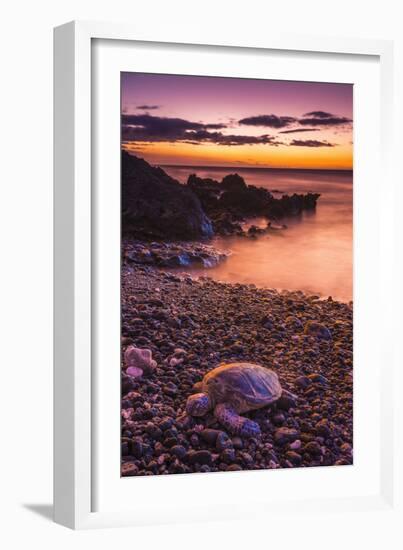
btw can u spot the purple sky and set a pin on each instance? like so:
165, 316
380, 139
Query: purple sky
226, 101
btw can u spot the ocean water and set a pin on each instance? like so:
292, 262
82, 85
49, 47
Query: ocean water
314, 253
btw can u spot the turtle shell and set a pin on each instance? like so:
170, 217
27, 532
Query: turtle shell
245, 386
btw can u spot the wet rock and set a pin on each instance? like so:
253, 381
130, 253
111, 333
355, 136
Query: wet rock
285, 435
166, 423
170, 441
228, 456
346, 449
293, 457
287, 401
129, 469
313, 448
318, 378
237, 442
278, 419
154, 204
294, 322
302, 382
199, 457
246, 458
295, 445
223, 441
137, 448
209, 436
170, 389
323, 428
314, 328
179, 451
127, 384
154, 431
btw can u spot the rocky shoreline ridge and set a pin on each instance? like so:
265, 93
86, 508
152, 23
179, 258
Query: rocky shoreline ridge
155, 206
192, 325
177, 254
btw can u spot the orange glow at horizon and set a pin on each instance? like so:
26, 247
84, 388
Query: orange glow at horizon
340, 157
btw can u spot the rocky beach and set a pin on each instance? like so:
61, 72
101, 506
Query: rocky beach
189, 325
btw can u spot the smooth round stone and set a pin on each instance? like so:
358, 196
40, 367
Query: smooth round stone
179, 451
285, 435
199, 457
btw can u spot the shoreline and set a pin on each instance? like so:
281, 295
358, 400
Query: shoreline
192, 325
187, 258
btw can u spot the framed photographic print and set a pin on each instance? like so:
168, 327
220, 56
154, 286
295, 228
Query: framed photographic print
220, 256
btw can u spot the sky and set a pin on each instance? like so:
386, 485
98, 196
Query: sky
218, 121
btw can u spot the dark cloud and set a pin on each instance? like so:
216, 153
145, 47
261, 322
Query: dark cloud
271, 121
318, 114
297, 130
231, 139
148, 128
330, 121
313, 118
155, 126
148, 107
217, 126
310, 143
322, 118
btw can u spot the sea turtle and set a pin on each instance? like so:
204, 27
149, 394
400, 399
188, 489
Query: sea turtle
232, 389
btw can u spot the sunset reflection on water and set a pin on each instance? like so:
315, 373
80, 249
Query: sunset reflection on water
314, 253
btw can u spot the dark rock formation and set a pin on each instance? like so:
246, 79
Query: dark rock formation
230, 201
154, 205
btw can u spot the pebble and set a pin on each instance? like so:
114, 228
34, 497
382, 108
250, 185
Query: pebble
166, 423
209, 436
223, 441
285, 435
313, 448
302, 382
293, 457
237, 442
228, 455
322, 428
287, 401
318, 378
179, 451
317, 329
129, 469
295, 445
137, 448
200, 457
278, 419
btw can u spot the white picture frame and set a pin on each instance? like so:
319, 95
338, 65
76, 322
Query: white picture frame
77, 206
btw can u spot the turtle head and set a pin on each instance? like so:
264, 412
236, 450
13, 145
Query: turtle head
198, 404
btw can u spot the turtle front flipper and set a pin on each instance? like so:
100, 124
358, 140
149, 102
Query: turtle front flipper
234, 423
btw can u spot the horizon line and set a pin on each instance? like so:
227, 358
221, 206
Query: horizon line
238, 167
